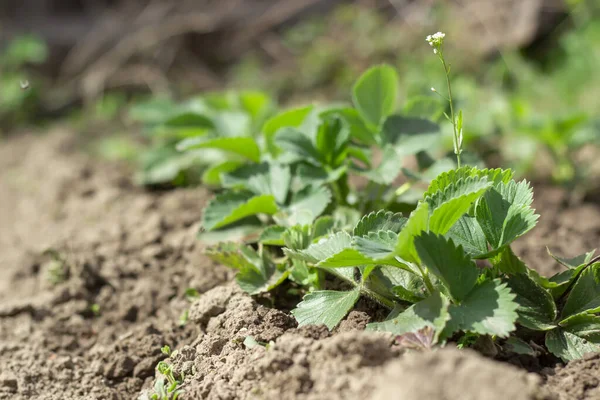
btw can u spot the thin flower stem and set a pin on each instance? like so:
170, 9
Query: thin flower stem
457, 149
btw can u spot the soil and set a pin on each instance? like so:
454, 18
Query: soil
87, 319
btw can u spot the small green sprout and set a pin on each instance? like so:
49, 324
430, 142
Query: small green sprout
184, 317
169, 390
56, 268
95, 308
250, 342
166, 350
191, 295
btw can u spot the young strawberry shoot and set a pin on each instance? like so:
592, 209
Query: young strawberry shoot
446, 272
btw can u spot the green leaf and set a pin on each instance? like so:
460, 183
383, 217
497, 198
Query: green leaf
297, 237
245, 230
257, 104
505, 213
397, 129
489, 309
323, 226
297, 146
266, 178
561, 281
568, 346
243, 146
287, 119
518, 346
417, 223
584, 325
331, 141
305, 206
379, 221
273, 235
256, 272
376, 245
254, 281
325, 307
375, 92
232, 255
536, 310
404, 284
388, 170
432, 312
449, 205
585, 295
333, 252
458, 189
232, 124
345, 217
445, 179
230, 207
336, 251
327, 247
507, 262
358, 129
189, 119
449, 263
467, 233
574, 262
212, 176
164, 166
308, 174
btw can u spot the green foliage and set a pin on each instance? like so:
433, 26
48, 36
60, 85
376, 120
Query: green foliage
217, 131
167, 386
293, 191
19, 98
327, 307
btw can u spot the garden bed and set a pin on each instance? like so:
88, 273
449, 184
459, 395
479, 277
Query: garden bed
87, 319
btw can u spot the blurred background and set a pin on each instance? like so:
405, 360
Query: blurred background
525, 72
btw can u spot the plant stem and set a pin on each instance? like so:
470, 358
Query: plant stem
426, 279
337, 194
387, 303
457, 149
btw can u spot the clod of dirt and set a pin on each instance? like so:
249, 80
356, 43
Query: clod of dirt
452, 374
578, 380
229, 312
8, 383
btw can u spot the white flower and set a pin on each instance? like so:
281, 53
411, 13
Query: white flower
433, 89
436, 39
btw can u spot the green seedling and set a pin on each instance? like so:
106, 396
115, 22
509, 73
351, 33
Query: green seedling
191, 295
56, 268
95, 309
184, 318
169, 389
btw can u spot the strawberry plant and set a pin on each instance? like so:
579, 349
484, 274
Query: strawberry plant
215, 119
303, 163
446, 272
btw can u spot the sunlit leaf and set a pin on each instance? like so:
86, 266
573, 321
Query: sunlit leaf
375, 93
230, 207
325, 307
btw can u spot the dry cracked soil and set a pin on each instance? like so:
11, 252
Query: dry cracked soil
94, 277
